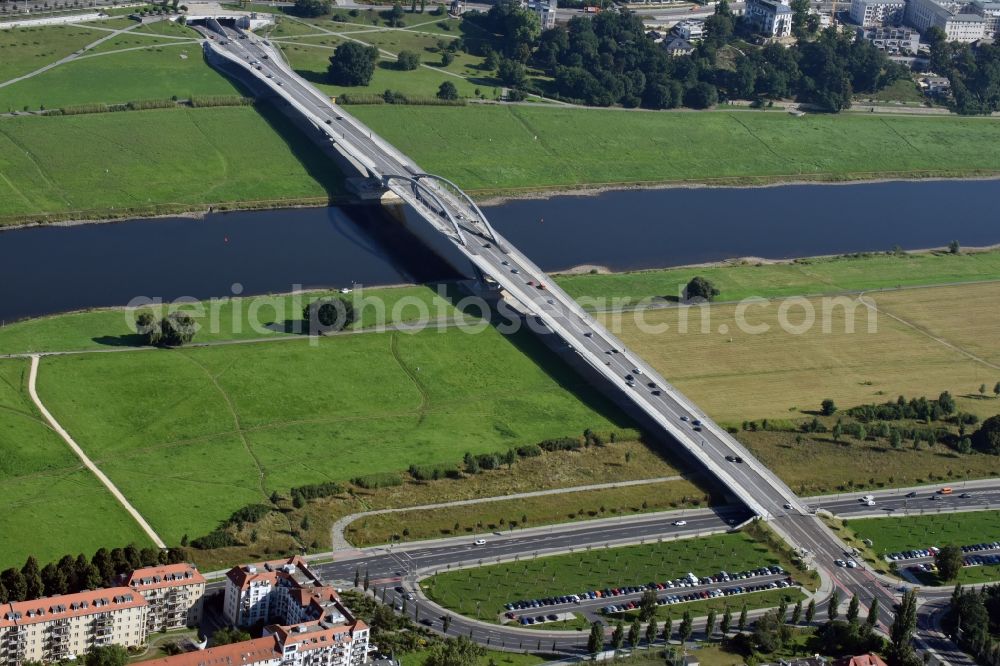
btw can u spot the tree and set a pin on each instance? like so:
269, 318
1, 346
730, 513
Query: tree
828, 407
595, 642
447, 57
710, 624
357, 576
949, 561
109, 655
512, 73
838, 431
686, 628
701, 95
54, 580
853, 609
33, 587
647, 605
227, 636
895, 439
445, 624
312, 8
901, 631
769, 632
458, 651
987, 438
352, 64
742, 622
176, 329
810, 611
13, 582
407, 60
305, 523
147, 326
88, 577
651, 630
700, 287
67, 569
668, 629
982, 389
447, 90
954, 247
618, 636
367, 581
833, 609
633, 633
332, 314
947, 403
871, 621
727, 621
797, 612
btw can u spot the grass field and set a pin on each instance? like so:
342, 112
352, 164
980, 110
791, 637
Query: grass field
158, 161
895, 534
161, 72
99, 329
545, 510
753, 601
44, 490
23, 50
587, 147
802, 277
488, 588
778, 374
222, 428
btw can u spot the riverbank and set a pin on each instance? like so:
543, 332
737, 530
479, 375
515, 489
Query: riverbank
524, 152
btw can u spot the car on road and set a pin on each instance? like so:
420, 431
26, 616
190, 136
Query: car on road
479, 542
788, 506
514, 270
840, 563
870, 502
505, 263
656, 392
697, 428
588, 334
685, 418
734, 459
328, 121
851, 564
680, 523
965, 496
696, 422
867, 498
409, 596
945, 491
912, 493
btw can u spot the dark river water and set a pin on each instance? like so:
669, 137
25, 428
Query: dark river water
55, 269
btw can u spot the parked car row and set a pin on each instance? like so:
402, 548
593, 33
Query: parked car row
686, 581
933, 550
981, 560
537, 619
703, 594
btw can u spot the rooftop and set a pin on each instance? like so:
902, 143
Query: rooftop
65, 606
168, 575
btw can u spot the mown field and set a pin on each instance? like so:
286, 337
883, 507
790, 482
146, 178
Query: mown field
488, 588
147, 161
512, 148
23, 50
781, 374
191, 435
49, 504
802, 277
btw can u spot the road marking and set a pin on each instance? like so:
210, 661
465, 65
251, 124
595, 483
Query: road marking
88, 463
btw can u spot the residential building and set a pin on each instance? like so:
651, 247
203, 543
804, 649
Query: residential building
675, 45
772, 18
457, 8
876, 13
546, 10
870, 659
58, 628
894, 41
266, 590
333, 637
691, 30
174, 593
965, 28
935, 85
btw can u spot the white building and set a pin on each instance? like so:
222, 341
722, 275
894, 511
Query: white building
894, 41
259, 592
546, 10
59, 628
948, 16
877, 13
691, 30
174, 593
772, 18
990, 11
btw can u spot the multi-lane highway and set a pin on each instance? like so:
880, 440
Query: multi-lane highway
633, 383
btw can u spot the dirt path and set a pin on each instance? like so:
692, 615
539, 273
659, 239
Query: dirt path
88, 463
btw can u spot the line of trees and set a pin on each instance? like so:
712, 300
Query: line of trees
608, 59
971, 620
174, 330
73, 574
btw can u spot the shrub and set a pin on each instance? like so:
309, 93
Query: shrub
529, 451
217, 539
377, 480
314, 490
431, 472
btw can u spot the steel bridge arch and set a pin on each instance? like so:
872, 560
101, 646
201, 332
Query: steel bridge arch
465, 197
419, 188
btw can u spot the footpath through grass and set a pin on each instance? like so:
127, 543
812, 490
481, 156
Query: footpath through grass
509, 148
484, 590
49, 504
191, 435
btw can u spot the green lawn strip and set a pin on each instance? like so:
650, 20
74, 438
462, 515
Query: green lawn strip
44, 490
500, 151
162, 426
489, 587
543, 510
807, 276
753, 601
130, 40
894, 534
977, 575
203, 157
244, 318
23, 50
160, 73
491, 657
